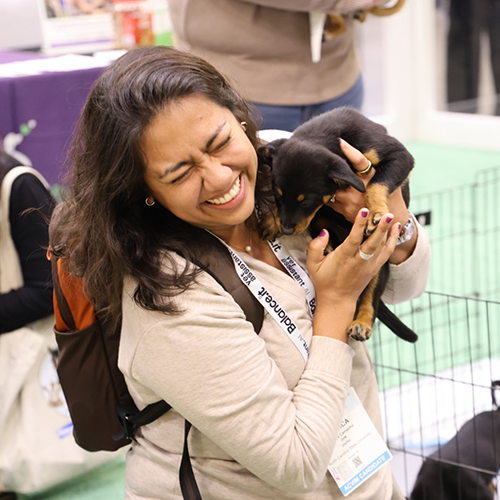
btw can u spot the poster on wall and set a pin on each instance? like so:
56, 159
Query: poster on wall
87, 26
77, 26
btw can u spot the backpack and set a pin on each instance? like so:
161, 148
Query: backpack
103, 413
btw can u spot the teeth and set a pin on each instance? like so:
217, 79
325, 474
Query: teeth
229, 196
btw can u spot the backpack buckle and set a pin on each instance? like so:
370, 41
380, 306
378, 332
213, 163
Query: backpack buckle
125, 413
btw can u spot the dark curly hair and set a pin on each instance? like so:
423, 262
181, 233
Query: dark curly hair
103, 223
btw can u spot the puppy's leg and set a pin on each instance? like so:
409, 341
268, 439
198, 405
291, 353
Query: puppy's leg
361, 327
377, 201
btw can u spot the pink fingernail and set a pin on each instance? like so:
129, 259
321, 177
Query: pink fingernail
389, 219
364, 213
399, 226
323, 232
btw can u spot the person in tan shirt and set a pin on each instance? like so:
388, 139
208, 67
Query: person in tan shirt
164, 141
265, 48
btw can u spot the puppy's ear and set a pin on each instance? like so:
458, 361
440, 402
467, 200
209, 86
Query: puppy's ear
339, 169
267, 152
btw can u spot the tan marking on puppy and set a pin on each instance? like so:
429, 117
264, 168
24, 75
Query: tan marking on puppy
300, 197
280, 192
270, 226
327, 198
361, 327
376, 200
372, 156
304, 223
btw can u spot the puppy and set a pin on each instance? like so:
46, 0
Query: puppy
465, 466
307, 170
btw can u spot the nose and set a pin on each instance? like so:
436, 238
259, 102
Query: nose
216, 176
287, 231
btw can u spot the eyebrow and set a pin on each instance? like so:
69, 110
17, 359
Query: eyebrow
179, 165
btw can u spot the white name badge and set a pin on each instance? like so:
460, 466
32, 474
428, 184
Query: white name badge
360, 450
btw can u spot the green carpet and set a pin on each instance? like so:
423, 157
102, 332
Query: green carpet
437, 169
105, 483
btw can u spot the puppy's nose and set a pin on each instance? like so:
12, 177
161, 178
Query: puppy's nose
287, 230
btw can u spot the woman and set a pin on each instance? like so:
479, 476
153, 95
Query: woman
29, 233
25, 275
164, 142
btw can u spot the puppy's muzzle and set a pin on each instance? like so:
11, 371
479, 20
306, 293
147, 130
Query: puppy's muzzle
287, 231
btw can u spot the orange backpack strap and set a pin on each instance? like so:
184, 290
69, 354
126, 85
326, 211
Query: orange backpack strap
73, 310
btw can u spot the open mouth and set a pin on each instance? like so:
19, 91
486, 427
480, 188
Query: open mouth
233, 193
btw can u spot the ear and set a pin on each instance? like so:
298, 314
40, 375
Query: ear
267, 152
340, 169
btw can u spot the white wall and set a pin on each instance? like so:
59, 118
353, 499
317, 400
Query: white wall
19, 24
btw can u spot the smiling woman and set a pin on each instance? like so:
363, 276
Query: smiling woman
201, 165
165, 147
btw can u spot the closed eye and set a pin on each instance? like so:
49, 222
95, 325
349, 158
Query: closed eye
222, 144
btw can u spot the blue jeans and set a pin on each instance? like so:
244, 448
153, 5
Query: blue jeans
290, 117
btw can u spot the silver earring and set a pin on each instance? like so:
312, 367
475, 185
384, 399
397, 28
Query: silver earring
150, 203
244, 125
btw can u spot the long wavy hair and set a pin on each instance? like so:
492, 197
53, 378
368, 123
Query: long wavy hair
103, 224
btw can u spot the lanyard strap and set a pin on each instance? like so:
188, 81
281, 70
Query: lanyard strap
296, 272
293, 269
268, 301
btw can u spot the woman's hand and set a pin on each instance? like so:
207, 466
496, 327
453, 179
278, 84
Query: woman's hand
350, 201
340, 276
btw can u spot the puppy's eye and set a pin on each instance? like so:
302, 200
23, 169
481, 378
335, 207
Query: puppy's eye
306, 203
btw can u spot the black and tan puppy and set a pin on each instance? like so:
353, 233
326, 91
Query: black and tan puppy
307, 170
465, 466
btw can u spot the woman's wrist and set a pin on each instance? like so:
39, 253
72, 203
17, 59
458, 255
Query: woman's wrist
333, 320
406, 242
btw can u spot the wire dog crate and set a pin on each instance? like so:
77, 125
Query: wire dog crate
463, 225
429, 389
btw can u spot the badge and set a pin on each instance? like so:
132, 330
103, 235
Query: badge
360, 450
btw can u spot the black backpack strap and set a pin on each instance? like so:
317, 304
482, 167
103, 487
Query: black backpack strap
220, 265
189, 487
130, 419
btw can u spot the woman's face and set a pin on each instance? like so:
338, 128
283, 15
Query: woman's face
200, 164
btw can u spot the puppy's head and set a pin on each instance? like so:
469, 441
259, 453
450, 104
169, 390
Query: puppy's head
305, 175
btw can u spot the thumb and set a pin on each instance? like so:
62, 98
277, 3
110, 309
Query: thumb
316, 250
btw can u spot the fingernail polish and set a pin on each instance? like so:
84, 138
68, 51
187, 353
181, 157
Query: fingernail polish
323, 232
364, 213
399, 226
389, 219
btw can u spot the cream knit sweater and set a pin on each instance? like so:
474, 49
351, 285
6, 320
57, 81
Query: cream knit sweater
264, 422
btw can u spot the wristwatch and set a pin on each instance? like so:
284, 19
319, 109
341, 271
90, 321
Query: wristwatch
407, 230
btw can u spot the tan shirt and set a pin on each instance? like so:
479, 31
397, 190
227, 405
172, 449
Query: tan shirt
265, 423
264, 46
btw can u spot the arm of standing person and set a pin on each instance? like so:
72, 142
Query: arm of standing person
30, 235
341, 6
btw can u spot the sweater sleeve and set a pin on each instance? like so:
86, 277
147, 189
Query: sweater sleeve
408, 280
213, 369
30, 235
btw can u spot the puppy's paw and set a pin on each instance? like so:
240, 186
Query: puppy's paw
360, 331
373, 221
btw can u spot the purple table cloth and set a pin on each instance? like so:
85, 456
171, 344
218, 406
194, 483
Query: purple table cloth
54, 101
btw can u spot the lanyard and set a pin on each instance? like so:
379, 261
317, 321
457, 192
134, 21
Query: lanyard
268, 301
296, 272
293, 269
